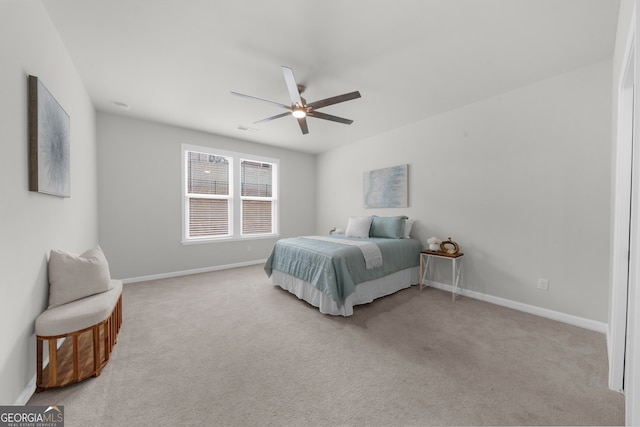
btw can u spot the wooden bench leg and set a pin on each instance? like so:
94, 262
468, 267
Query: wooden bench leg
96, 351
117, 320
53, 362
76, 359
39, 351
107, 339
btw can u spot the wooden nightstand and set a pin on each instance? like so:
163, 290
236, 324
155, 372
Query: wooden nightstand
456, 261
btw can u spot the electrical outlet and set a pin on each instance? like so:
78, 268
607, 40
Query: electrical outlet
543, 284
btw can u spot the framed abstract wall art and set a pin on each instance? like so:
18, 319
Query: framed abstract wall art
49, 150
386, 188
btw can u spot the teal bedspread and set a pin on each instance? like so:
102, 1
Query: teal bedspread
336, 269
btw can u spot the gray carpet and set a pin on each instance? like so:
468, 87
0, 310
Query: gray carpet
229, 348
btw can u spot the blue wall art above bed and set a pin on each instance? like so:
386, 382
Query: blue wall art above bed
386, 188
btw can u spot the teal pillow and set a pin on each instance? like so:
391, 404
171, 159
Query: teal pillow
390, 227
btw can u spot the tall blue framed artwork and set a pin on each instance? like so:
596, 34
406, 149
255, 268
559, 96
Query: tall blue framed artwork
49, 146
386, 188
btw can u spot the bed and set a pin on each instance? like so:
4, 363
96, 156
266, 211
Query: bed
337, 272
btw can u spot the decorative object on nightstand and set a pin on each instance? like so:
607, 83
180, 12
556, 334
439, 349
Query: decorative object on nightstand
449, 246
434, 244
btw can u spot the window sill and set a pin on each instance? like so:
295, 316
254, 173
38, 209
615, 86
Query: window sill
228, 239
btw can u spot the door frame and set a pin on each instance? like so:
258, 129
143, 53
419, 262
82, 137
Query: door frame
622, 217
624, 318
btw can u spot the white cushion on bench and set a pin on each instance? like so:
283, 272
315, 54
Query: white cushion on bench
79, 314
72, 277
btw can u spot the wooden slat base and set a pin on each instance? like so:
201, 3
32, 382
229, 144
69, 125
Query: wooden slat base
83, 354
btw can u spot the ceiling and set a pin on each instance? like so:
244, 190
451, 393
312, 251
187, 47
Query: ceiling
176, 61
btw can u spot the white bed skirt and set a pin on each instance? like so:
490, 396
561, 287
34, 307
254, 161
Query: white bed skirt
365, 292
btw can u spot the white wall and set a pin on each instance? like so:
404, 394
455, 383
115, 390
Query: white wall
140, 198
31, 224
521, 181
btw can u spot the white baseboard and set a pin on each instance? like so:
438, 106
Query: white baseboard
26, 393
194, 271
570, 319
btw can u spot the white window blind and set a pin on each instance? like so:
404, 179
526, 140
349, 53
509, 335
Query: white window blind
208, 217
215, 207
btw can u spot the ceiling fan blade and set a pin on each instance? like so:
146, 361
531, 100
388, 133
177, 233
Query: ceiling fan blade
262, 100
288, 113
319, 115
292, 86
334, 100
303, 125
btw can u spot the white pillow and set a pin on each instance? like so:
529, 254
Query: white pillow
358, 226
408, 225
72, 277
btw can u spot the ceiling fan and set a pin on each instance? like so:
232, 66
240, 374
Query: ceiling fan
299, 107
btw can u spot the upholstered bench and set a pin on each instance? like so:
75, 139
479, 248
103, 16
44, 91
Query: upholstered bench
89, 324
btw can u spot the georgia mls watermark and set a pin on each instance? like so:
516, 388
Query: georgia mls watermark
31, 416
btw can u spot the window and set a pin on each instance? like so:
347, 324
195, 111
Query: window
257, 197
215, 208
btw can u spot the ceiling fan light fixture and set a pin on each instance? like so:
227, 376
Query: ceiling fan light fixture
299, 113
299, 108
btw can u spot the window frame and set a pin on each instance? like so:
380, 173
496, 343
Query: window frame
235, 195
